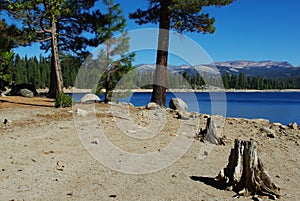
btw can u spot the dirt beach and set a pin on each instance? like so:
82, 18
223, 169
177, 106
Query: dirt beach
43, 156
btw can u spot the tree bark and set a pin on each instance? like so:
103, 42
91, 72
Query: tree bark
107, 96
56, 81
245, 173
52, 87
159, 86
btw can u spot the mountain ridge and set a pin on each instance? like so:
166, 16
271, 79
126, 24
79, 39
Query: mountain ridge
265, 69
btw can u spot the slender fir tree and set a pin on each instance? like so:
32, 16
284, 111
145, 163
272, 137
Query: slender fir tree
114, 23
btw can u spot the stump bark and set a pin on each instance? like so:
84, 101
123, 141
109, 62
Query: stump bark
245, 173
211, 133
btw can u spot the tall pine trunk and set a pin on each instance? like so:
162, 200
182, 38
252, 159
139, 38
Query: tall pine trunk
52, 87
107, 96
56, 81
159, 86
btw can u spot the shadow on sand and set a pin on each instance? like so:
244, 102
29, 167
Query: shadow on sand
209, 181
29, 104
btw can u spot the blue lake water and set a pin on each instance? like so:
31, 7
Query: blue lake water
283, 107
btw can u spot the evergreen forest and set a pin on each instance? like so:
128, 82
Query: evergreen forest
37, 71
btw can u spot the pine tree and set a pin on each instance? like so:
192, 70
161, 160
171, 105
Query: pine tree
178, 15
226, 80
58, 24
114, 23
242, 83
6, 54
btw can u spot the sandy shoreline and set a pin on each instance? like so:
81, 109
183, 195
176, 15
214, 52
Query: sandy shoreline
43, 157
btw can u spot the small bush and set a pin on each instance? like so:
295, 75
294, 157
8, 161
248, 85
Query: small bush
63, 100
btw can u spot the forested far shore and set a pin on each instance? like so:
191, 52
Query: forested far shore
36, 70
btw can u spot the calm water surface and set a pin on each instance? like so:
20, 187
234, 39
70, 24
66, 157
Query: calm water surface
283, 107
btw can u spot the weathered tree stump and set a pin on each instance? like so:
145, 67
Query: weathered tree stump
245, 173
211, 133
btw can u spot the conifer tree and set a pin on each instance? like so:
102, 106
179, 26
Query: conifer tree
114, 23
178, 15
58, 24
6, 54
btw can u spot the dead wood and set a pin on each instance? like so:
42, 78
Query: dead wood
245, 173
211, 133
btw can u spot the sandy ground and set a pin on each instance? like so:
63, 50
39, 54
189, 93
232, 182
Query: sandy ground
44, 154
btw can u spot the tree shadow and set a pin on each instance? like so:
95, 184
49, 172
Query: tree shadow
209, 181
28, 104
220, 185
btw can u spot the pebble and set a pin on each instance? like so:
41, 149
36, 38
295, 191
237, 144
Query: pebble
277, 124
293, 125
81, 112
7, 122
152, 106
283, 127
194, 115
131, 131
96, 141
270, 133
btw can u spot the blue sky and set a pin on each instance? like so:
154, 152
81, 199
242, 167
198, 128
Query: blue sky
245, 30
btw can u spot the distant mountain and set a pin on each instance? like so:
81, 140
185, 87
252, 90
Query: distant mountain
268, 69
265, 69
253, 64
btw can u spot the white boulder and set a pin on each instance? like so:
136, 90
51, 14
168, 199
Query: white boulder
90, 98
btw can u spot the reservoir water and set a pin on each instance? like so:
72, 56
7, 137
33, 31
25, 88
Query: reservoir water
283, 107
